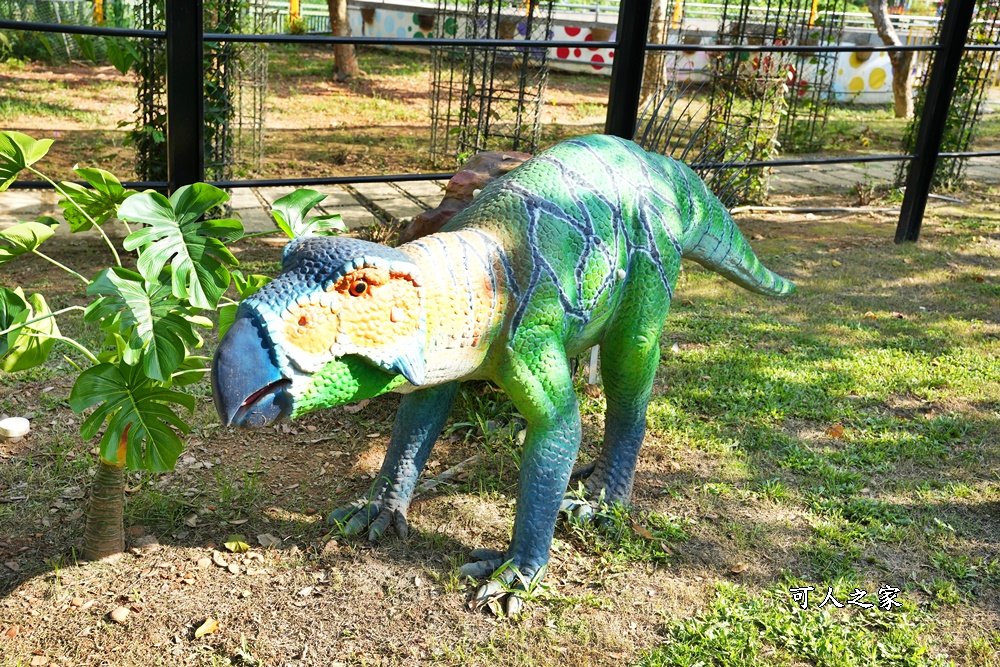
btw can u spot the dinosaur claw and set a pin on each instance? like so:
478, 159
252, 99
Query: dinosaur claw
487, 593
486, 554
480, 569
514, 604
402, 527
584, 513
361, 520
381, 522
342, 514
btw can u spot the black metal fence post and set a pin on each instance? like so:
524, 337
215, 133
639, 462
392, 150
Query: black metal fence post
185, 89
626, 73
940, 89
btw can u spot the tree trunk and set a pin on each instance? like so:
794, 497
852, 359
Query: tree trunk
343, 54
902, 61
105, 535
654, 74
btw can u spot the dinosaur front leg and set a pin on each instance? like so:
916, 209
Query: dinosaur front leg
419, 420
537, 378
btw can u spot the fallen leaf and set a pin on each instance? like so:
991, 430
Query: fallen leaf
233, 568
897, 315
978, 278
592, 390
740, 569
666, 549
871, 316
12, 565
120, 615
836, 263
237, 544
357, 407
219, 560
640, 530
72, 493
268, 541
12, 631
835, 431
77, 602
238, 522
208, 627
204, 562
306, 592
191, 520
908, 260
39, 660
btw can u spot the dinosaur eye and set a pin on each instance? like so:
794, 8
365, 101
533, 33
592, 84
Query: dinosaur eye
358, 287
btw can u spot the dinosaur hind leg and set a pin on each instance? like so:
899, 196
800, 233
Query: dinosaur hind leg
630, 355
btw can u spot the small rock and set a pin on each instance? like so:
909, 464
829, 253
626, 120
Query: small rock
120, 615
219, 560
77, 602
14, 427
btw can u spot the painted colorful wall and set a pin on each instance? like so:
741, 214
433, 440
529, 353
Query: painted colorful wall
864, 78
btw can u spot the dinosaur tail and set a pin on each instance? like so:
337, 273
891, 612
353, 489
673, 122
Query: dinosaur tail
714, 241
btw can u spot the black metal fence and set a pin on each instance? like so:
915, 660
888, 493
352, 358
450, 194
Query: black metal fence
185, 37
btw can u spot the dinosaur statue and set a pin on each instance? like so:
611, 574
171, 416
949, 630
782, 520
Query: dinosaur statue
581, 245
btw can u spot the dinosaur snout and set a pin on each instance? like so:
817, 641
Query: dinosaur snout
248, 388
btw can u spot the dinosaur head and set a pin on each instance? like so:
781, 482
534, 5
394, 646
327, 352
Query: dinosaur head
343, 321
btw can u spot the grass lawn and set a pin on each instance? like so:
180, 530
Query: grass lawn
846, 439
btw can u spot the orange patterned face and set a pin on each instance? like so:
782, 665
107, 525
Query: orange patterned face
374, 310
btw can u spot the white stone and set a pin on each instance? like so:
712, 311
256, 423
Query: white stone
14, 427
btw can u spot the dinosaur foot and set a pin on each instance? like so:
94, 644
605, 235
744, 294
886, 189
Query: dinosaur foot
503, 593
372, 513
583, 506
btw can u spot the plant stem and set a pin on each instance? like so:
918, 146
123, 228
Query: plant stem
100, 231
61, 266
104, 535
40, 318
69, 341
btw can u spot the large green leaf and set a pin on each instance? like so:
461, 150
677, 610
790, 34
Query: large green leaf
147, 315
101, 203
121, 53
245, 286
18, 151
195, 250
290, 215
29, 345
127, 399
22, 238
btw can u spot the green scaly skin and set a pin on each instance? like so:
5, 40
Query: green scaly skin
579, 246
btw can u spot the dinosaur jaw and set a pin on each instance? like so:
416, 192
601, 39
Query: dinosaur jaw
249, 389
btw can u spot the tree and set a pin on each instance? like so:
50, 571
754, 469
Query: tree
343, 54
654, 75
902, 61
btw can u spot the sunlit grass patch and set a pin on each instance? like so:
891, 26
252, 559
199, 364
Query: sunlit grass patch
763, 628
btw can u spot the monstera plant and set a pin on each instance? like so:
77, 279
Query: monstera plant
152, 317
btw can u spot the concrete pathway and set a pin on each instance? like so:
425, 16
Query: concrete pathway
362, 204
